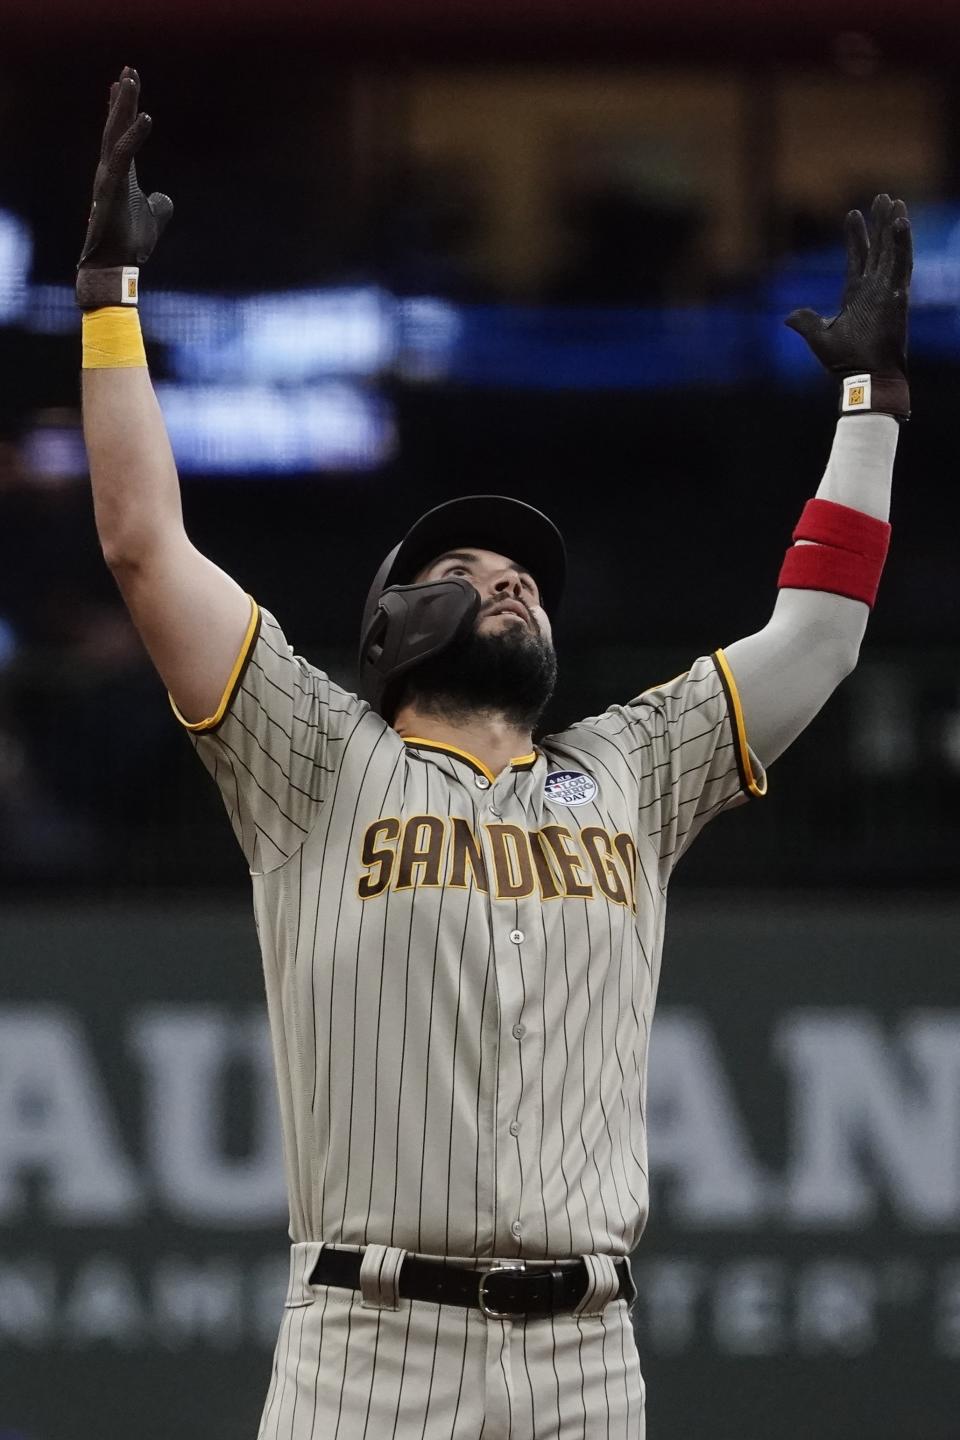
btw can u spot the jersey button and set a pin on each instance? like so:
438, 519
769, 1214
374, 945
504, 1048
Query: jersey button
482, 783
516, 936
517, 1228
514, 1127
519, 1031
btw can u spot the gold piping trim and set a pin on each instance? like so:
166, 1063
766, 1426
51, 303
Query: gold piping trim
451, 750
212, 721
524, 759
753, 785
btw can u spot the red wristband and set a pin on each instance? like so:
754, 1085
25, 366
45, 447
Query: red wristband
846, 555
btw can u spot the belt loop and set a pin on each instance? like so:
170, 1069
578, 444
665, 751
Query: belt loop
380, 1277
304, 1255
603, 1282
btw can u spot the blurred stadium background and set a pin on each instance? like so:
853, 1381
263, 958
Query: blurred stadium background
545, 249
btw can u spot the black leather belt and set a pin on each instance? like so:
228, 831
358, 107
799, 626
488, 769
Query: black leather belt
504, 1290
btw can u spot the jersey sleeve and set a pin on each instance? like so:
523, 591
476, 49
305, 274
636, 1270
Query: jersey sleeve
274, 743
687, 747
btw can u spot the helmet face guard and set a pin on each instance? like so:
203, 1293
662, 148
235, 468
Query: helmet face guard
406, 621
409, 624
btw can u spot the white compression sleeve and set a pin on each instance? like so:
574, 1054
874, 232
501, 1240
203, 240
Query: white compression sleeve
787, 670
860, 467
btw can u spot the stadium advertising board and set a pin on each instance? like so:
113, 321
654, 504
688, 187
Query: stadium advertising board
805, 1153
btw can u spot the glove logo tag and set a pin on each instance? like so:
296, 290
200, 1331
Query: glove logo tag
856, 393
130, 285
569, 787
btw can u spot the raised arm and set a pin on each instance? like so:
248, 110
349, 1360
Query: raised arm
191, 616
786, 671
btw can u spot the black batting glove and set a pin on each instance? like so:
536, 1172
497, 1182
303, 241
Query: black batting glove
125, 224
865, 345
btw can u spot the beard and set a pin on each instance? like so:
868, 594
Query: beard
511, 673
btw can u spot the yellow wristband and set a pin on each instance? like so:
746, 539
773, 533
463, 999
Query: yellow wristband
112, 339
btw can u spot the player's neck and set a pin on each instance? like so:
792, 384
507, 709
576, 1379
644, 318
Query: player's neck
489, 738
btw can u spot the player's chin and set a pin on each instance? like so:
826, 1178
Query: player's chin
503, 623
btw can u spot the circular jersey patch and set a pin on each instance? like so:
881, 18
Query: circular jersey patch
569, 787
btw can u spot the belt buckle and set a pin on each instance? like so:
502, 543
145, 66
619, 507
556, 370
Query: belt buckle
481, 1289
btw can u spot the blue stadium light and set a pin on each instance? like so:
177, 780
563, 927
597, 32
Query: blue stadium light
428, 332
51, 310
248, 430
286, 338
54, 452
16, 256
9, 650
256, 429
936, 271
271, 383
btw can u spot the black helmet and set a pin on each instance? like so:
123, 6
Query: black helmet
406, 623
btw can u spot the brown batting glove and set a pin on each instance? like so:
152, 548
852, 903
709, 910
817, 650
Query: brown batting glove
125, 224
865, 345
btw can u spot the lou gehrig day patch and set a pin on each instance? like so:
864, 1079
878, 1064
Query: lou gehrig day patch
569, 787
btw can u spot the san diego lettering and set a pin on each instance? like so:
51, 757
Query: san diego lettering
434, 851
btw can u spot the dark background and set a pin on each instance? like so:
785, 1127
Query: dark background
610, 208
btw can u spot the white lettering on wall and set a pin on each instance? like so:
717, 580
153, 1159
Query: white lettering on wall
28, 1299
836, 1303
105, 1305
863, 1108
214, 1303
198, 1301
947, 1321
670, 1292
185, 1051
697, 1138
748, 1307
872, 1115
56, 1122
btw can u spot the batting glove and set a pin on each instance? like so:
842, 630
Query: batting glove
865, 345
125, 224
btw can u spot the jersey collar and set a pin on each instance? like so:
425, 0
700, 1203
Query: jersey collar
520, 762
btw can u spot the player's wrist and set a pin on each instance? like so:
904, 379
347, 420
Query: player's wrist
100, 286
872, 393
112, 339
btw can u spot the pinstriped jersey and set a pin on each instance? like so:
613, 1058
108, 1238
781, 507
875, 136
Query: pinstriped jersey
461, 968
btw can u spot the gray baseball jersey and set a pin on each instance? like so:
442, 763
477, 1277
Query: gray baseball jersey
461, 968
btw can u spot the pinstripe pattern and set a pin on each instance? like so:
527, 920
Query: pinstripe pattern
460, 980
413, 1112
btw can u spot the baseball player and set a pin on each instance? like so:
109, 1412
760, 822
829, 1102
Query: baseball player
461, 928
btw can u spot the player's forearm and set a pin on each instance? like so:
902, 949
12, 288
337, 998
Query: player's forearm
859, 472
788, 670
135, 488
859, 475
136, 493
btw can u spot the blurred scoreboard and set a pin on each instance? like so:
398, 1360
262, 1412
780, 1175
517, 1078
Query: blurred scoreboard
291, 382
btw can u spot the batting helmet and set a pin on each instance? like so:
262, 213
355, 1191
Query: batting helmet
405, 623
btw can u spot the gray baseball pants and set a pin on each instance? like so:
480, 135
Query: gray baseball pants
370, 1365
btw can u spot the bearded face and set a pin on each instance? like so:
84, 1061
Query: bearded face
506, 666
